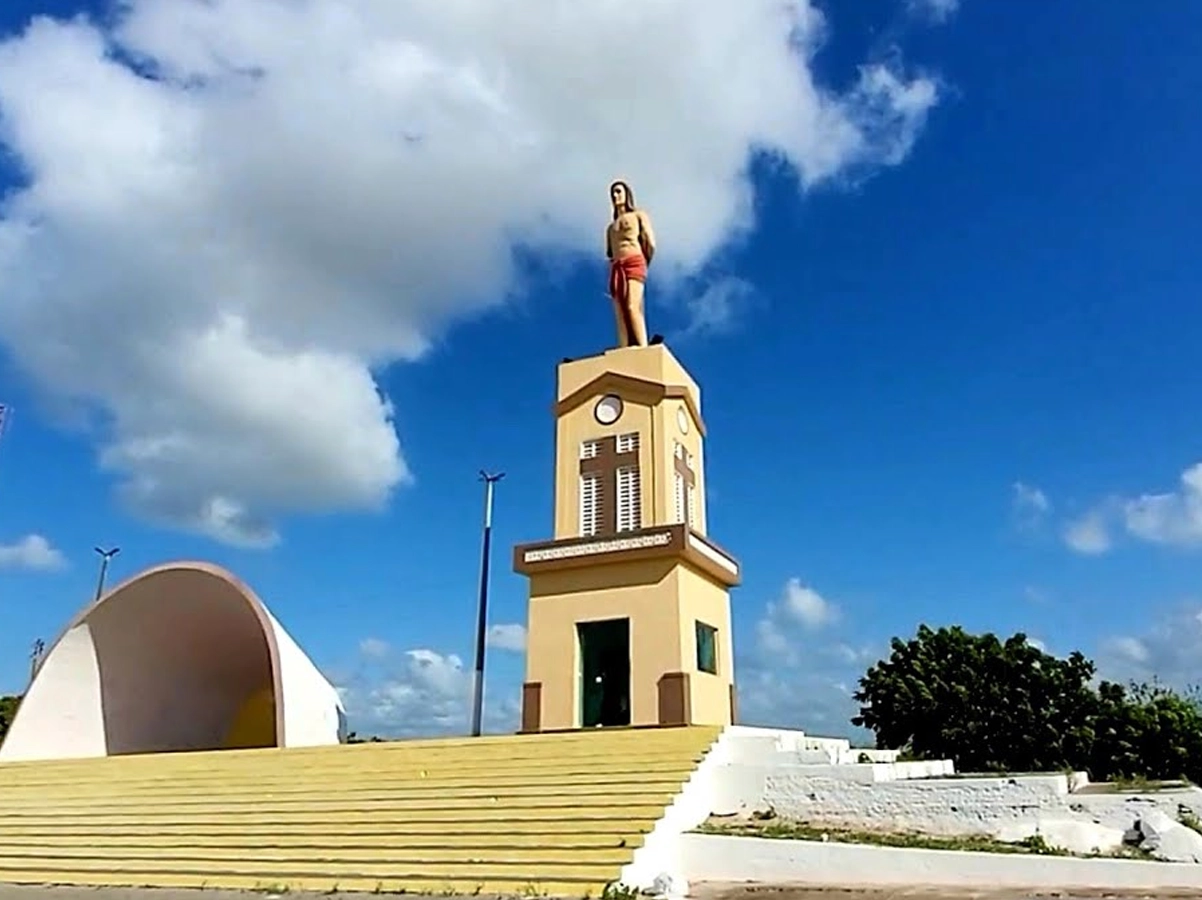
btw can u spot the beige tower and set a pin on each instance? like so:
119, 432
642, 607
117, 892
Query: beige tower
629, 616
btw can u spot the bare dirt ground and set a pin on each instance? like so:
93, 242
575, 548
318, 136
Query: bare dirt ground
919, 892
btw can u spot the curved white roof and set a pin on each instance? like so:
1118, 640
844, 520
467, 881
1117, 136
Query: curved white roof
176, 658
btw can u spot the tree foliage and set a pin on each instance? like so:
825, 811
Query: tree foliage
8, 709
1147, 731
993, 705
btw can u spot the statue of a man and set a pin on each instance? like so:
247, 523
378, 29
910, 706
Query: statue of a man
630, 247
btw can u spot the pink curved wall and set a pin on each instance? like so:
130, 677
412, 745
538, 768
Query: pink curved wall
161, 663
179, 652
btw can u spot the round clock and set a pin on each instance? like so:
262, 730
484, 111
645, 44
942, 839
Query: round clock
682, 420
608, 409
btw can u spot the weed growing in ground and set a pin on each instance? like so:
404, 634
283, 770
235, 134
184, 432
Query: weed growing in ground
618, 891
1189, 820
804, 831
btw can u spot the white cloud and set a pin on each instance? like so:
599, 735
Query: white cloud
215, 250
797, 605
1128, 649
1171, 518
1089, 534
718, 307
419, 692
938, 10
374, 648
805, 605
510, 637
792, 681
859, 656
1030, 505
32, 552
815, 700
1169, 650
1027, 497
1035, 594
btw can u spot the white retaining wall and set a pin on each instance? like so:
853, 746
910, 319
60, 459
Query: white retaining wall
950, 806
1119, 810
945, 806
767, 769
752, 769
714, 858
732, 771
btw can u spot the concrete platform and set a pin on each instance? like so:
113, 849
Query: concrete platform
565, 814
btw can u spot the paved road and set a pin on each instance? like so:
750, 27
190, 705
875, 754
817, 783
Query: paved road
702, 892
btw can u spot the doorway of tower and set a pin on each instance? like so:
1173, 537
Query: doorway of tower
604, 672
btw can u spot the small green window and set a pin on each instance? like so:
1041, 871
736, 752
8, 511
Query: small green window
707, 648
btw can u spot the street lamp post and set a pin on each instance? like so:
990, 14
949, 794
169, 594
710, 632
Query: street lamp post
490, 482
35, 658
105, 556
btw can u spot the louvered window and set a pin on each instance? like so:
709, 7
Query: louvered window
679, 498
693, 520
590, 506
590, 449
630, 499
628, 443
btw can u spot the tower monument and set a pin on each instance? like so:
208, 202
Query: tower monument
629, 612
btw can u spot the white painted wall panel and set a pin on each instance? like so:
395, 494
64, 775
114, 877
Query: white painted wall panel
61, 717
313, 713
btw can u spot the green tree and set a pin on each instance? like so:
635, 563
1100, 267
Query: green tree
988, 705
8, 709
1147, 731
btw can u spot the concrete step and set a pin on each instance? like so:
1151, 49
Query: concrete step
540, 814
580, 772
233, 881
496, 839
250, 814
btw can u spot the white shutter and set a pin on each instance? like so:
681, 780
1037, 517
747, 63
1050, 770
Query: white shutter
628, 443
630, 499
590, 510
589, 449
694, 521
697, 516
681, 509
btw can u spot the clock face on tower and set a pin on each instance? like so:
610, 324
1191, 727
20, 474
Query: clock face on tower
682, 420
608, 409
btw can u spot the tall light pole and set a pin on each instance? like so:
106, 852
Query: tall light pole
490, 482
105, 556
35, 658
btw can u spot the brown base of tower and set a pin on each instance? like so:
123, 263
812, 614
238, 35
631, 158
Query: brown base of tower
674, 705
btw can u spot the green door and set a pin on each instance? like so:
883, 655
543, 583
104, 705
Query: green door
604, 672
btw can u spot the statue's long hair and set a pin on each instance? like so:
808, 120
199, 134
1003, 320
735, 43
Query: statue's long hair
630, 207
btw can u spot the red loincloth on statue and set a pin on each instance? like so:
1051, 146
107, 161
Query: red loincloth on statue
624, 270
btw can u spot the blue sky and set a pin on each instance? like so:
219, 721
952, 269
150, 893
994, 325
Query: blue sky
948, 362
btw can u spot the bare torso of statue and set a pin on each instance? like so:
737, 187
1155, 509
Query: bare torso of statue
624, 234
630, 247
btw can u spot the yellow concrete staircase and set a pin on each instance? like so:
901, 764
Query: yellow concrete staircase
556, 814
